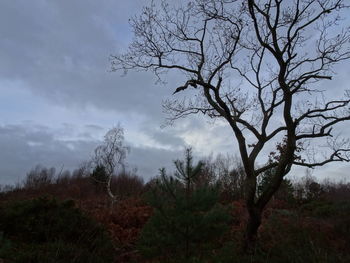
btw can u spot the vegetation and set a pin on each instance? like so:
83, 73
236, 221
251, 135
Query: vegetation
188, 222
257, 66
45, 230
108, 158
306, 221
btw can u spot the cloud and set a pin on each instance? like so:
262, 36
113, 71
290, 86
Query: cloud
58, 96
62, 54
149, 160
25, 145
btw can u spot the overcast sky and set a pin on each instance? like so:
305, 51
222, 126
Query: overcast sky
58, 97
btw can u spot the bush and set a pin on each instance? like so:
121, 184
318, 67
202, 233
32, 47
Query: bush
293, 239
45, 230
326, 209
284, 192
99, 178
188, 223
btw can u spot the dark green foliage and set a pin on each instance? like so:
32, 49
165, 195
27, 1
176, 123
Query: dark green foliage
5, 244
99, 177
188, 222
336, 212
285, 191
314, 191
44, 230
326, 209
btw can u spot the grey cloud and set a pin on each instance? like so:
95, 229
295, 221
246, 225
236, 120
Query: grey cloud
24, 146
60, 49
167, 136
93, 127
148, 160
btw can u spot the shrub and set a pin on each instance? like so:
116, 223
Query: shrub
188, 223
285, 191
45, 230
99, 178
287, 237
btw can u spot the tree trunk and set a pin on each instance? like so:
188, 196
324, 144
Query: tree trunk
112, 197
251, 233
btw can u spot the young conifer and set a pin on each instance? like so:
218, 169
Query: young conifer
188, 221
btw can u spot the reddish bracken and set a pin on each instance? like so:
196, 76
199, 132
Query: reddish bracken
124, 224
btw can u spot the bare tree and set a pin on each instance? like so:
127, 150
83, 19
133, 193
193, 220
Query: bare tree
39, 176
111, 156
83, 170
228, 171
257, 64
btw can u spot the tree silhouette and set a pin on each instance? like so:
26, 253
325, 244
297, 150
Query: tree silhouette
258, 66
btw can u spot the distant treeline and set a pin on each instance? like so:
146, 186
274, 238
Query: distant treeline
225, 171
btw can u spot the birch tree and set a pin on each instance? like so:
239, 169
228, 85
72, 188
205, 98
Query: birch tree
111, 156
